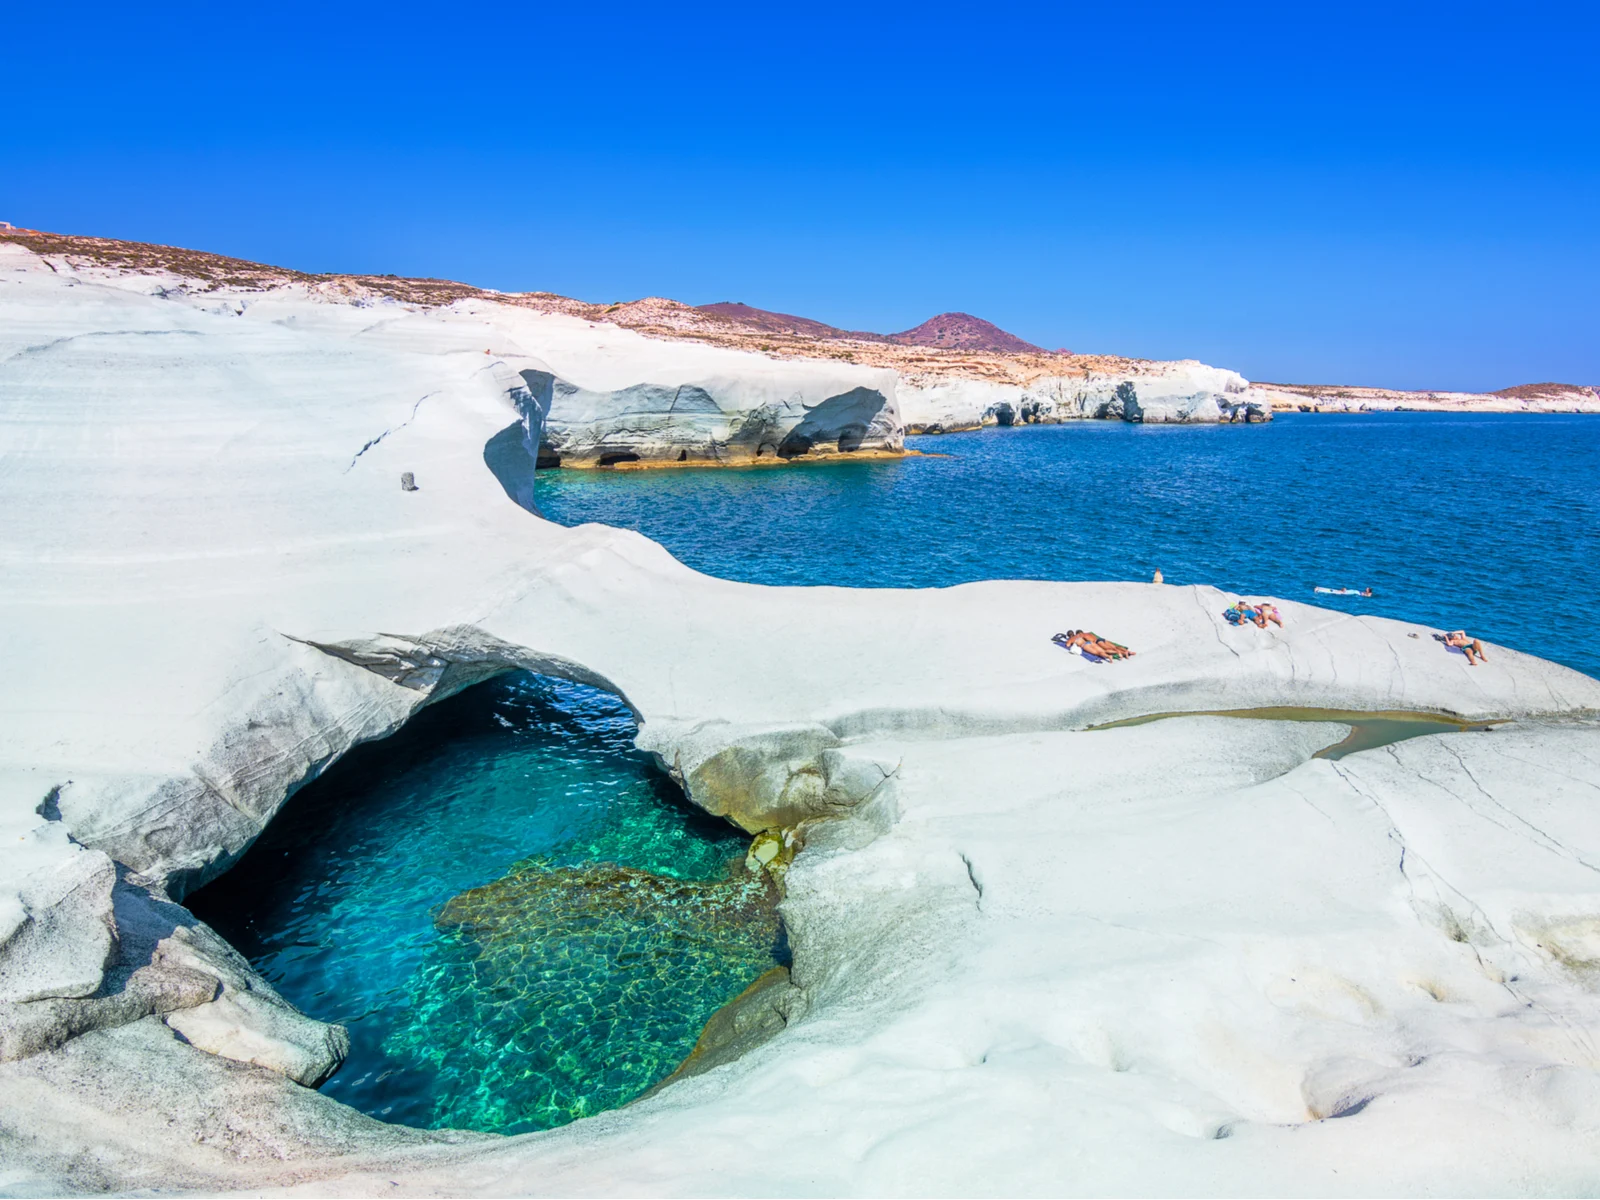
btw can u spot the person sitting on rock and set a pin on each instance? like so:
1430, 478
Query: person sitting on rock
1467, 645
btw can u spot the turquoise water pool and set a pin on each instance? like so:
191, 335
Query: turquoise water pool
518, 917
1487, 521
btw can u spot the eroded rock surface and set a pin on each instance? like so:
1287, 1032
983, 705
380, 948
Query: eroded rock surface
1026, 957
56, 928
771, 411
1157, 393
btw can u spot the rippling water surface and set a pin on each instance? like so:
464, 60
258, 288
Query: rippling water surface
518, 917
1485, 521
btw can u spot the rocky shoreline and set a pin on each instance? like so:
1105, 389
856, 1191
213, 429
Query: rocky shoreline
1027, 956
1529, 398
1185, 393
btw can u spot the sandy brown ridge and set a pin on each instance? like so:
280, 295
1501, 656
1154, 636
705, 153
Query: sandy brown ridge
652, 316
659, 317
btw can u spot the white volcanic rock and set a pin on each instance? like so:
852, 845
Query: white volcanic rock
1537, 397
1186, 392
1183, 957
771, 411
609, 396
1027, 957
266, 1032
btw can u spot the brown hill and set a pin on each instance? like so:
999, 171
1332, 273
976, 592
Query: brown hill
947, 331
733, 326
961, 331
1546, 391
775, 322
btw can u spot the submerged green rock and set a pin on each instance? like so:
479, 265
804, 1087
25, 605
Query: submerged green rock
562, 991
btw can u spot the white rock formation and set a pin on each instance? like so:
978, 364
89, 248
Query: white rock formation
1529, 398
1028, 957
759, 410
1185, 392
610, 396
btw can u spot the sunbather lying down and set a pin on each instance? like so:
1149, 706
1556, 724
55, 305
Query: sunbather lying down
1091, 643
1467, 645
1242, 611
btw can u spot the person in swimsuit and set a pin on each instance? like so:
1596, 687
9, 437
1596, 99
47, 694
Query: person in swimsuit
1106, 648
1265, 612
1075, 638
1467, 645
1091, 644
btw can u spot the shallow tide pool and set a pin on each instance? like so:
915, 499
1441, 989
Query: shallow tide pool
518, 917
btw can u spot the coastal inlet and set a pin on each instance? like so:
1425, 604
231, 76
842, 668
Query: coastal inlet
1499, 540
519, 918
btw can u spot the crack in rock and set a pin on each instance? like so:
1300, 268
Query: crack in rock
387, 432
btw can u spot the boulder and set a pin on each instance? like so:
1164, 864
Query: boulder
245, 1027
56, 926
765, 777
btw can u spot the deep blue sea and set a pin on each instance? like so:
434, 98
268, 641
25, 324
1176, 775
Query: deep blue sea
1487, 521
522, 921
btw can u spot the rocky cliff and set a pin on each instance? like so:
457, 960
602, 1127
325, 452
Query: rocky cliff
1157, 393
1531, 397
728, 413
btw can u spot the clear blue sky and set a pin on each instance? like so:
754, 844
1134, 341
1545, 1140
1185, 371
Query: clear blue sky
1403, 195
